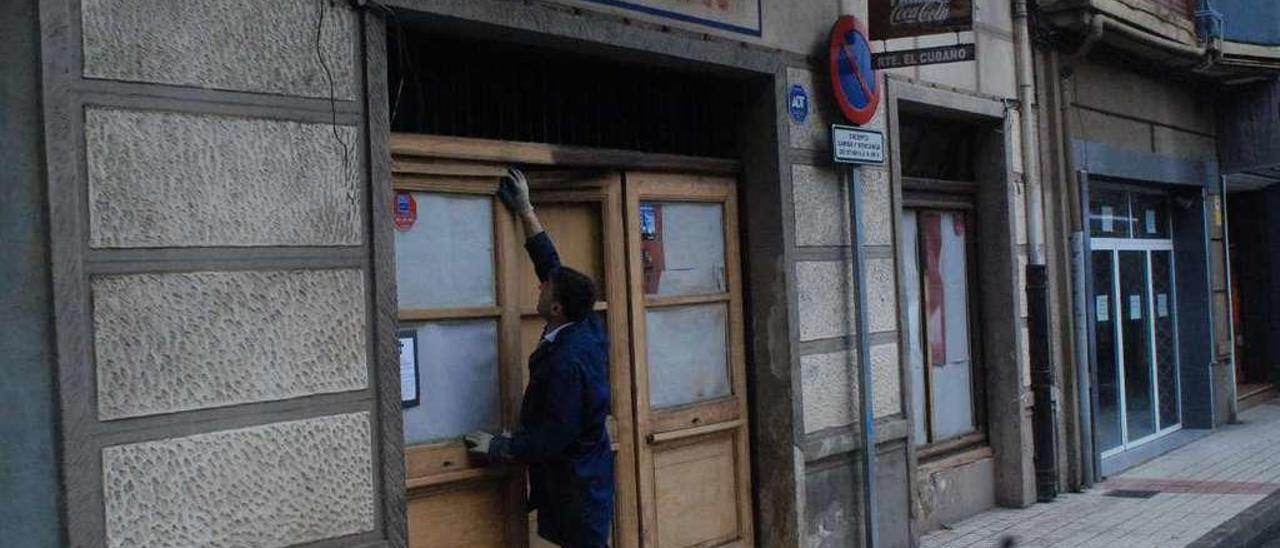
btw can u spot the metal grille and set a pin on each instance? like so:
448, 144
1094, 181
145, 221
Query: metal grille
460, 87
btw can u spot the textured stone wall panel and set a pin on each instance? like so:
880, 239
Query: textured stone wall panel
265, 46
174, 342
273, 485
828, 390
822, 207
819, 288
160, 179
882, 297
886, 379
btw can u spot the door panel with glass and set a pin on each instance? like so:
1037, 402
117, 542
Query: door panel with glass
686, 320
1133, 313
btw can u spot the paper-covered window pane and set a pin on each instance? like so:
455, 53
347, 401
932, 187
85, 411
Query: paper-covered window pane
444, 259
946, 310
687, 354
457, 381
682, 248
915, 330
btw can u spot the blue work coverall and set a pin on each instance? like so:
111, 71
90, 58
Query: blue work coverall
562, 434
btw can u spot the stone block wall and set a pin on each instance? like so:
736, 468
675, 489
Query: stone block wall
1142, 113
215, 279
825, 307
825, 304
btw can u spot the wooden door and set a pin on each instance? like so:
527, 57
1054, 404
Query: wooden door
456, 307
687, 351
582, 213
468, 295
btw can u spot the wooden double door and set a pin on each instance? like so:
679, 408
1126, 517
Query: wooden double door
663, 250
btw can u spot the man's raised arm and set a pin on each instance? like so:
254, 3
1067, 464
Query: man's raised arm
514, 192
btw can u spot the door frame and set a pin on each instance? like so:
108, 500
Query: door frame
469, 158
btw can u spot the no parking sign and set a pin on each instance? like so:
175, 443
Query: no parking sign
854, 80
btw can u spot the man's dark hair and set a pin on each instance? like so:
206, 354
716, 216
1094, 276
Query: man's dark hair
574, 291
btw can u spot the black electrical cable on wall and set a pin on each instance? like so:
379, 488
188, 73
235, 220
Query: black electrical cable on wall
333, 101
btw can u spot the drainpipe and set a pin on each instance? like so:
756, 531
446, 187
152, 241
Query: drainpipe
1044, 408
1233, 401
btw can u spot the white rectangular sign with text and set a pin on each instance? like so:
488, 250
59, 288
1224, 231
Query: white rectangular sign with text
850, 145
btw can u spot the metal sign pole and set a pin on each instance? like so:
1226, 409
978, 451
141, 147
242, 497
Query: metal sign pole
866, 403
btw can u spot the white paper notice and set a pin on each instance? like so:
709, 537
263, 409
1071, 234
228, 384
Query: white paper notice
408, 371
1103, 307
1135, 307
1151, 221
1108, 218
1162, 304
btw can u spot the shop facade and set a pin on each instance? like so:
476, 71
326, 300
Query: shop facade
232, 282
1146, 104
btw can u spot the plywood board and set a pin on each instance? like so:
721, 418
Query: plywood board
468, 517
576, 229
696, 492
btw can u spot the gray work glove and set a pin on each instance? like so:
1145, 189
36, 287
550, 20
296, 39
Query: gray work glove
478, 443
513, 190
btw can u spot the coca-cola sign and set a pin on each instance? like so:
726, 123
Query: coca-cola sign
904, 18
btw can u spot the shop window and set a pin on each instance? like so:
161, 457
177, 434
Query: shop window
1109, 214
937, 250
1120, 213
936, 148
1151, 216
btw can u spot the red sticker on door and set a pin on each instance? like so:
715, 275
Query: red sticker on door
406, 211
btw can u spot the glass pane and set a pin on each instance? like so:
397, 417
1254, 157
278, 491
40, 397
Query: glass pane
1166, 352
682, 246
1150, 215
1104, 332
446, 258
1109, 213
946, 304
915, 331
687, 353
1138, 390
457, 380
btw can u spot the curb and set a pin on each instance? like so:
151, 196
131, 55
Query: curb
1248, 529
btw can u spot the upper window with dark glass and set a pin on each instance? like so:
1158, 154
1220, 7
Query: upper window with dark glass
1118, 213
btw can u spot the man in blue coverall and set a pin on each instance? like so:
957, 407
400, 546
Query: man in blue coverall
561, 435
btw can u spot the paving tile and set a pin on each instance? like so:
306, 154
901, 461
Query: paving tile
1201, 486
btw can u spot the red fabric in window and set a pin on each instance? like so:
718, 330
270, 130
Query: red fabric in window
934, 290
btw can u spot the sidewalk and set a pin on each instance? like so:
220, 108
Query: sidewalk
1191, 494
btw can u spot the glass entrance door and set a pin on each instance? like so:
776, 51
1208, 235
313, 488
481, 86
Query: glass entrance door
1134, 329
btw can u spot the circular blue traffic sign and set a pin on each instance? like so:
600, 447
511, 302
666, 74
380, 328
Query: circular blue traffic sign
854, 81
